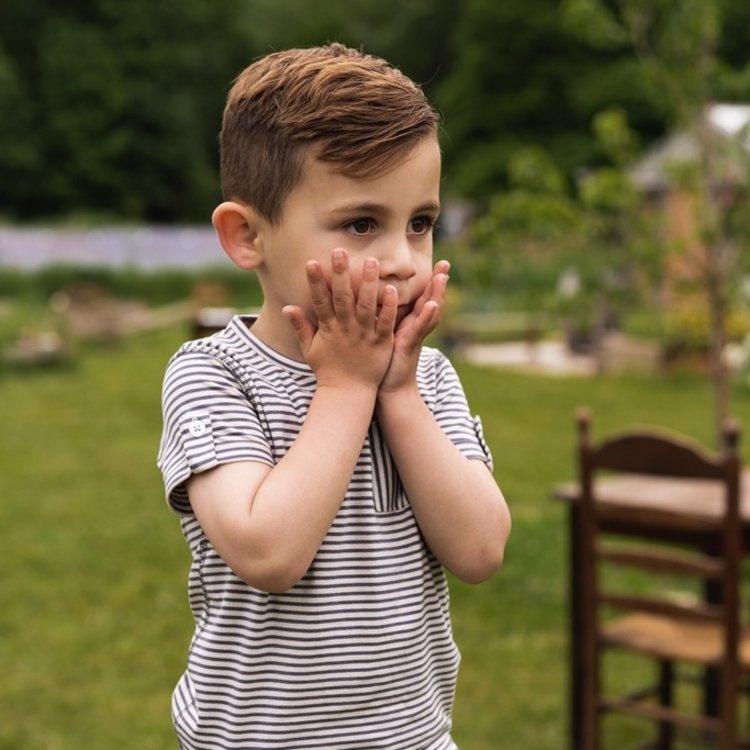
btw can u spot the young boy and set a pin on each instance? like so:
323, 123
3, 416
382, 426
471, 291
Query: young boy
325, 465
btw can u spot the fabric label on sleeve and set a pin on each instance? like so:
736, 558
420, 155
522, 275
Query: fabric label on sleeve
198, 440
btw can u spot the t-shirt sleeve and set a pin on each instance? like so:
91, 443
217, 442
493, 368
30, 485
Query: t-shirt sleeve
208, 421
451, 410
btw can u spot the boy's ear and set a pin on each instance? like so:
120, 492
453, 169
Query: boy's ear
237, 226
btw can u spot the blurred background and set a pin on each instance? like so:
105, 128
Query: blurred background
595, 210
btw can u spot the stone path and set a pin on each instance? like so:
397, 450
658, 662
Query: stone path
549, 357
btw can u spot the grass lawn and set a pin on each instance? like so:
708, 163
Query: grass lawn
94, 620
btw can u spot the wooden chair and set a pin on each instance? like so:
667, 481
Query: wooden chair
652, 622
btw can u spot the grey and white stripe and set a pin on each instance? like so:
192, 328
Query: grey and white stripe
359, 654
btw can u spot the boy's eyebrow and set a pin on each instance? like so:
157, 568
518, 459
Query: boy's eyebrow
379, 209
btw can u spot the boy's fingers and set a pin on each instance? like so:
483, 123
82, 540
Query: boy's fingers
320, 297
435, 290
442, 266
342, 296
303, 328
439, 285
425, 322
386, 319
367, 300
429, 317
436, 287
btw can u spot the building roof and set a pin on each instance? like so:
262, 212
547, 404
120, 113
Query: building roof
731, 125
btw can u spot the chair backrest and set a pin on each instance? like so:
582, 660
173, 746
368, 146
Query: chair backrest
658, 454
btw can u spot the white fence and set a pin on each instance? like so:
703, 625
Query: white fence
148, 247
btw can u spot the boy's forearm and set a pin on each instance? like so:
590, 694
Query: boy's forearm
300, 497
270, 534
458, 505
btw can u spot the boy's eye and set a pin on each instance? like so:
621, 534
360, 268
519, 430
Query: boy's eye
422, 224
360, 226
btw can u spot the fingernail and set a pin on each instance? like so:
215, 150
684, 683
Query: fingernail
370, 263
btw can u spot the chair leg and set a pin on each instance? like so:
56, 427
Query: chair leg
589, 723
590, 694
665, 736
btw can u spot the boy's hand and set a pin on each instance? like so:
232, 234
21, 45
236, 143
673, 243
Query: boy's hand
353, 340
413, 330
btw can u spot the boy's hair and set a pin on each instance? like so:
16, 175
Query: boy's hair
353, 111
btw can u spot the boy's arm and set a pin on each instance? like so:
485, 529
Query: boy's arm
459, 507
267, 523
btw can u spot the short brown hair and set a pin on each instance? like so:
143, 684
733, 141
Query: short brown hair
358, 112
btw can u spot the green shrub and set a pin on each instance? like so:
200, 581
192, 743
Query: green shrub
687, 328
154, 287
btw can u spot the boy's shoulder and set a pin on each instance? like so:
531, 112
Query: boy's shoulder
228, 338
239, 354
233, 343
227, 349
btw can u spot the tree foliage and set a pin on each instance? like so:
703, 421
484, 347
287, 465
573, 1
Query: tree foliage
593, 247
111, 108
104, 106
686, 57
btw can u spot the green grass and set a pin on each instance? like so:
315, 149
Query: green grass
94, 620
93, 617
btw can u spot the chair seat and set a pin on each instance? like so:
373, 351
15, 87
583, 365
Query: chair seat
673, 639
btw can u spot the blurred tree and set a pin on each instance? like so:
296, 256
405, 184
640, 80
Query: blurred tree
594, 245
677, 43
175, 94
414, 36
520, 78
733, 45
19, 158
112, 108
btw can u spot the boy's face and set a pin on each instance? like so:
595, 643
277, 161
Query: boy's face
389, 217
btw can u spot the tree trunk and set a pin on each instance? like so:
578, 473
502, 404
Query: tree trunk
716, 258
718, 309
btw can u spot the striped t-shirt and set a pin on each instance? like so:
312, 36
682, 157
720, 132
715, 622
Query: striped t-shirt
359, 654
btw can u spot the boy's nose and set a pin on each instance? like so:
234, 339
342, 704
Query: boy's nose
397, 260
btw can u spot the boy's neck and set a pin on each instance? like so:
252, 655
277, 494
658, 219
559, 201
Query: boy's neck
275, 331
